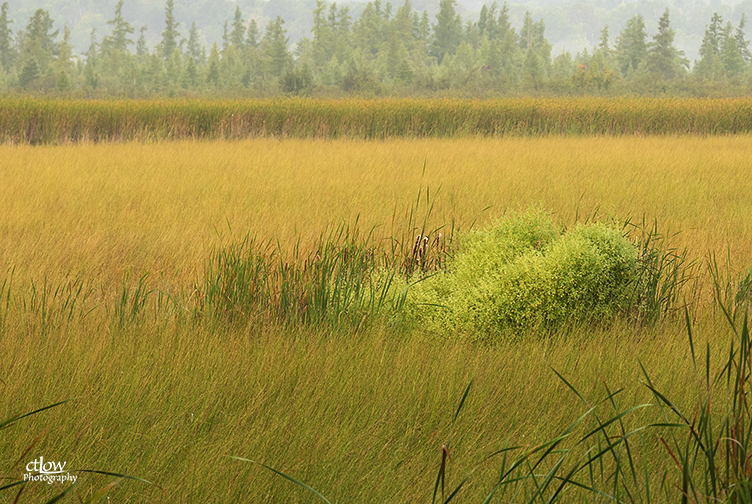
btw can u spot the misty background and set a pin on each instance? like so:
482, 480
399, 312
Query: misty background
570, 26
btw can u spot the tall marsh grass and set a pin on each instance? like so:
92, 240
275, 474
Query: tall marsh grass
40, 121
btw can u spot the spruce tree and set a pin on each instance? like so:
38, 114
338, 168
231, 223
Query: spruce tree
710, 64
274, 47
631, 45
193, 47
38, 43
447, 31
731, 56
237, 36
7, 51
141, 50
252, 39
118, 42
170, 34
741, 42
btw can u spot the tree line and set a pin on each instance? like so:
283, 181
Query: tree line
383, 52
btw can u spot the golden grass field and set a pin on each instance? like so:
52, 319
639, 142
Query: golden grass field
361, 417
101, 209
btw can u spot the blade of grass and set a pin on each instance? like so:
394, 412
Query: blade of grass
289, 478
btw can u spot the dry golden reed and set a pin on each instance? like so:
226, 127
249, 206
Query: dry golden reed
39, 121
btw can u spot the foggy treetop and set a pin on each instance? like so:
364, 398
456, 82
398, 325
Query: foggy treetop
377, 47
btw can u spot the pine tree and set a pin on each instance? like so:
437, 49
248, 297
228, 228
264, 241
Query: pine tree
193, 47
631, 45
742, 42
491, 26
141, 50
38, 43
447, 31
323, 36
274, 48
710, 64
423, 28
603, 43
367, 31
7, 51
237, 36
252, 40
714, 33
29, 73
64, 62
118, 42
170, 35
212, 77
503, 23
225, 38
90, 68
343, 35
402, 25
731, 56
527, 32
482, 23
664, 59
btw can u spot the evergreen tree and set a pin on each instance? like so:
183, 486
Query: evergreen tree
710, 64
37, 44
252, 39
212, 77
402, 26
174, 68
64, 62
367, 31
631, 45
225, 38
447, 31
7, 51
323, 37
343, 34
274, 48
527, 33
603, 43
190, 75
422, 29
91, 74
504, 25
155, 75
237, 36
664, 59
29, 73
731, 56
118, 42
741, 42
533, 67
170, 34
482, 23
193, 47
141, 50
489, 28
490, 56
714, 33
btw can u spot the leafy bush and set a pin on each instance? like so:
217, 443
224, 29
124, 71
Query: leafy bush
523, 272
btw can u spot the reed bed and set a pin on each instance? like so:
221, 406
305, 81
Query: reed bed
43, 121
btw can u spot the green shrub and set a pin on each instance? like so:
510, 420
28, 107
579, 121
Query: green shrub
523, 273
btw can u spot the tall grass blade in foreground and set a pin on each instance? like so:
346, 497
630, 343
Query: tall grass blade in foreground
441, 476
714, 455
289, 478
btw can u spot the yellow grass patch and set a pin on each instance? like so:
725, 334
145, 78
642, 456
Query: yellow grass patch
98, 210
